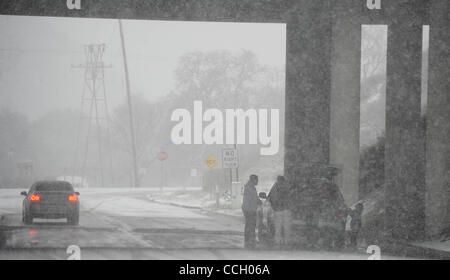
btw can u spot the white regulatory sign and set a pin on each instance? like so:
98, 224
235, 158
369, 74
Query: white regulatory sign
230, 158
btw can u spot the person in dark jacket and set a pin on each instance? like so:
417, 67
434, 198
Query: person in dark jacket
279, 198
250, 204
355, 223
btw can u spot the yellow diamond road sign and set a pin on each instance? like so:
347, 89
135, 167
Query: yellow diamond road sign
211, 162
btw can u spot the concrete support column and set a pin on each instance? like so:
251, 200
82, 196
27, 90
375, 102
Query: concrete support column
308, 78
404, 156
345, 96
438, 121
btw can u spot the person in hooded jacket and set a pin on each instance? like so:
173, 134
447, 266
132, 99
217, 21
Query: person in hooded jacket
280, 200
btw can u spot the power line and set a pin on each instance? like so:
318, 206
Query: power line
38, 50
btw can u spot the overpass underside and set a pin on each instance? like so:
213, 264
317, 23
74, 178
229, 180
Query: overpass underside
323, 89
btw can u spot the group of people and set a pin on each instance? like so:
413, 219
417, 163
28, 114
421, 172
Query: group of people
280, 200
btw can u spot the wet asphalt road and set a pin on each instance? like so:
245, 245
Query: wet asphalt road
122, 219
126, 224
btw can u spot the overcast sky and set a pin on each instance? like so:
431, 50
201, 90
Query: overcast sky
36, 54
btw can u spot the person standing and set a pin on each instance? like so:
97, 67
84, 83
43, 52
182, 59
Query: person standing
250, 204
279, 197
355, 224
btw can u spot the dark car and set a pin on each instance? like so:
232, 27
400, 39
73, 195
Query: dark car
321, 211
51, 200
319, 215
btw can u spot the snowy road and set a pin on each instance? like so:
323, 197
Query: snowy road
122, 219
125, 224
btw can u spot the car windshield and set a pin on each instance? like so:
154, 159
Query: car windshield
54, 187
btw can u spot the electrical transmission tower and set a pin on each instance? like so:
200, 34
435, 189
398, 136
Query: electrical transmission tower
95, 101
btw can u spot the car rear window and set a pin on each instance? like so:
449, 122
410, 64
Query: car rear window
57, 186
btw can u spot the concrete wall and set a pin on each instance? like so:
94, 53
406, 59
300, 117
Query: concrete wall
438, 121
308, 84
404, 156
345, 96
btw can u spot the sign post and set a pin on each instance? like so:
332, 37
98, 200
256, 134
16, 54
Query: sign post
230, 160
162, 156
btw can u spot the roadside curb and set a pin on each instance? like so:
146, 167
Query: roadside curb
187, 230
174, 204
191, 207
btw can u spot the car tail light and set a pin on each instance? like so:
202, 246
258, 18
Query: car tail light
73, 198
35, 198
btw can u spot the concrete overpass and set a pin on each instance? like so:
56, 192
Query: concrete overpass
323, 88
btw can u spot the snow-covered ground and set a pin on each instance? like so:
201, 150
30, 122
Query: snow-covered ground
10, 201
132, 202
196, 198
134, 207
121, 218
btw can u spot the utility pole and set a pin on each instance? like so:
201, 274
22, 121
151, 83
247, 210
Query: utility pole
130, 109
162, 176
237, 168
